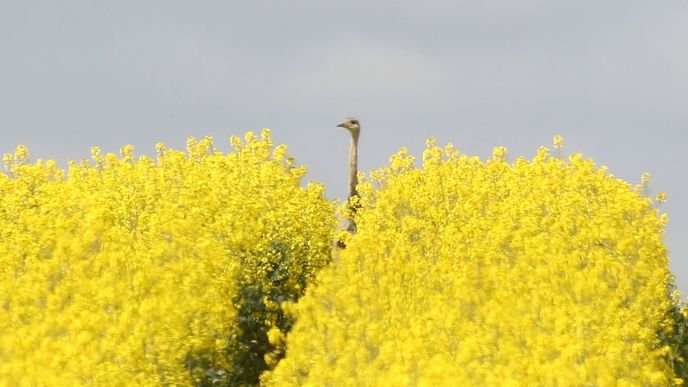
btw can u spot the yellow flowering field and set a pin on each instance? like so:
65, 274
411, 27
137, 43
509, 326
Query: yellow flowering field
165, 270
542, 271
189, 267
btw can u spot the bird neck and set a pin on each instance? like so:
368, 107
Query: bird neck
353, 165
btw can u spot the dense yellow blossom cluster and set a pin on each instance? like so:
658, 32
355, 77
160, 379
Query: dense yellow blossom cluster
143, 271
547, 271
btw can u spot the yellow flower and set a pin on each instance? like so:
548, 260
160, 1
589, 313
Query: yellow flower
499, 153
645, 178
159, 148
470, 272
135, 272
21, 153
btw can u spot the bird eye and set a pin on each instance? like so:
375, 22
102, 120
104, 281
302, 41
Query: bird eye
354, 122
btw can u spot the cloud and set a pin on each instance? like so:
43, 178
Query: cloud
366, 72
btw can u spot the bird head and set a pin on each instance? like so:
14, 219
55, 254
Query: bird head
351, 124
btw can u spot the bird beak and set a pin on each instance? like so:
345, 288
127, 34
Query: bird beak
342, 125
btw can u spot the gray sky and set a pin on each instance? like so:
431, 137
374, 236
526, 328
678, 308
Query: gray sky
611, 77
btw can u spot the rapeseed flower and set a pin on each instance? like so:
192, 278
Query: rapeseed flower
546, 271
128, 270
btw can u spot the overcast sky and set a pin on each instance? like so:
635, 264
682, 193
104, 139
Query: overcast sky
610, 76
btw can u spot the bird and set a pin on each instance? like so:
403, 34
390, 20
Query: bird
353, 125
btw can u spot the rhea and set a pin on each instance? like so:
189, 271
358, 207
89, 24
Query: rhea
354, 127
